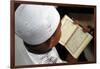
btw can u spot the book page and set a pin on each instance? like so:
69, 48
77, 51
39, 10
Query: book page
83, 45
76, 40
67, 29
73, 37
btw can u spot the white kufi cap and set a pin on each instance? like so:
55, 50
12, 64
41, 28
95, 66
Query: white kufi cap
35, 24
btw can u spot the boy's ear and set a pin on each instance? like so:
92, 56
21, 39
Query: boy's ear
51, 42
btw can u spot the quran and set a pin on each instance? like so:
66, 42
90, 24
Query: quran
73, 38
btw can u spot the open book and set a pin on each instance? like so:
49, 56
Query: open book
73, 37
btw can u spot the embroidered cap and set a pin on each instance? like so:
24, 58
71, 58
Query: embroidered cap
35, 24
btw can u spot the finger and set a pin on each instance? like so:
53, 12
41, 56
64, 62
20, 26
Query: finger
86, 29
76, 22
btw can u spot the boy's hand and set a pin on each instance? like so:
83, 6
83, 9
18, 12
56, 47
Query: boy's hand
84, 26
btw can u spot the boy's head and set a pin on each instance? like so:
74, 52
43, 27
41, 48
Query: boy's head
38, 26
